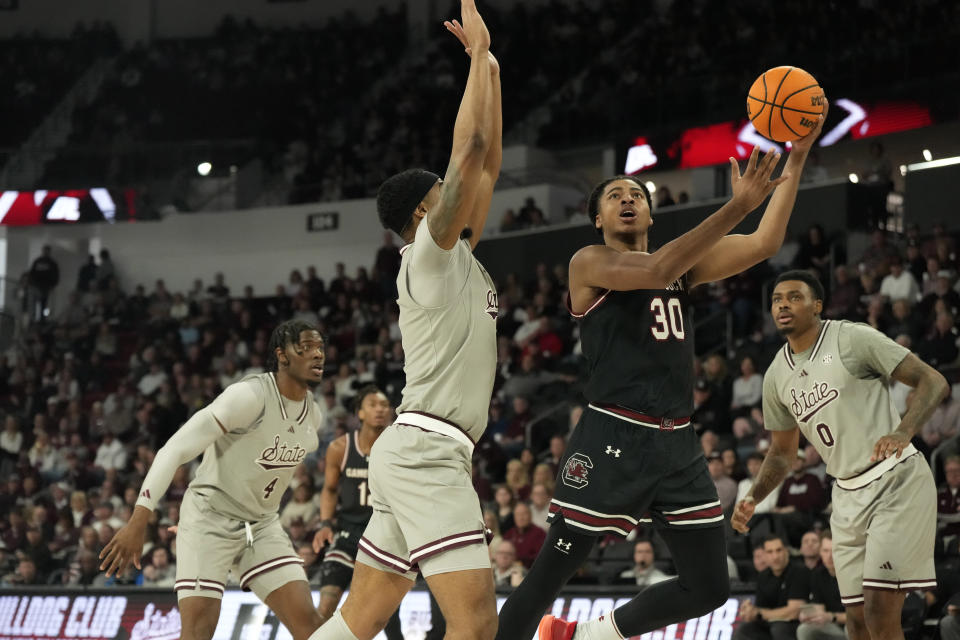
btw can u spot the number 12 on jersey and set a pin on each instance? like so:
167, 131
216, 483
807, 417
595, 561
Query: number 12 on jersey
668, 319
364, 495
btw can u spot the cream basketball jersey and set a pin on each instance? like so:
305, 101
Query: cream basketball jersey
448, 321
245, 472
837, 392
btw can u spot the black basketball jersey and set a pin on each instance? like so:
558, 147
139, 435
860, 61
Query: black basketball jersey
639, 350
354, 503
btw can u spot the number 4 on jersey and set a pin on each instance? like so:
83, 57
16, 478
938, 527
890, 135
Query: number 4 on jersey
267, 490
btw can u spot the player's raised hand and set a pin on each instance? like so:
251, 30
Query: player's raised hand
753, 187
454, 27
742, 514
322, 538
806, 142
474, 28
888, 445
125, 547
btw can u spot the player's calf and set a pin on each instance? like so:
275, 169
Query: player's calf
882, 610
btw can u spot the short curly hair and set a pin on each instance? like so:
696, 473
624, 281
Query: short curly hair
399, 195
287, 333
593, 202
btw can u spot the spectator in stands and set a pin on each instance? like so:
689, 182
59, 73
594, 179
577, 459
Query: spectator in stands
800, 501
508, 571
782, 591
708, 414
899, 284
643, 573
518, 480
944, 422
845, 295
160, 572
11, 443
554, 454
24, 575
948, 499
44, 277
810, 549
903, 322
301, 506
505, 502
747, 388
664, 198
526, 537
726, 487
84, 570
939, 348
111, 455
814, 252
540, 496
825, 620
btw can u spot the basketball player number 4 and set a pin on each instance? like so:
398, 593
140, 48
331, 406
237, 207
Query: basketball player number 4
267, 490
668, 318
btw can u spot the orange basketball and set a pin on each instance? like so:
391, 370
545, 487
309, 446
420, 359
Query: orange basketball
784, 102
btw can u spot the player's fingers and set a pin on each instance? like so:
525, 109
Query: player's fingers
734, 170
877, 451
752, 161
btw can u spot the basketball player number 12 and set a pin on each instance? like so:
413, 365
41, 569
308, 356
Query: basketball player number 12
668, 318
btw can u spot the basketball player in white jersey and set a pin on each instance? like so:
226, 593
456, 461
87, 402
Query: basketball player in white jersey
830, 381
426, 515
252, 437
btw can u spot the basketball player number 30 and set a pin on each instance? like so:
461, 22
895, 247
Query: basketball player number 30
668, 319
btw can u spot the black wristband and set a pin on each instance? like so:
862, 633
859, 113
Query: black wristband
326, 523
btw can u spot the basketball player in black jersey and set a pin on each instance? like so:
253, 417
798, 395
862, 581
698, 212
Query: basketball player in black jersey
345, 483
633, 457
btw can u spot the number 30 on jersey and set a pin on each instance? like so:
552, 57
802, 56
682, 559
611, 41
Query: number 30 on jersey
667, 319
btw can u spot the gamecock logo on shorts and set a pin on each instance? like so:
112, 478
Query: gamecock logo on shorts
577, 470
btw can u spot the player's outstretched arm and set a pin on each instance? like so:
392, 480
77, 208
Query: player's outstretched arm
773, 471
601, 267
328, 495
471, 138
126, 546
491, 164
735, 253
931, 389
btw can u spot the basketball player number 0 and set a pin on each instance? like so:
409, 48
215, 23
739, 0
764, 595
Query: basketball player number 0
668, 318
825, 436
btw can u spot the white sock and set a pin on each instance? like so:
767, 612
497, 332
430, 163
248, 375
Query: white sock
333, 629
602, 628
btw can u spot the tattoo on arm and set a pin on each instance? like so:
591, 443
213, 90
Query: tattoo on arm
772, 472
931, 387
445, 212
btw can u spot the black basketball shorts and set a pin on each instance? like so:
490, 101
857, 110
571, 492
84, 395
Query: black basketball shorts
622, 469
338, 561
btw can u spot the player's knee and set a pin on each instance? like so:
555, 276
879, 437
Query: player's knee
710, 587
482, 625
200, 629
879, 617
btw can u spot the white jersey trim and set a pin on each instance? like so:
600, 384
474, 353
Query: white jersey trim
877, 470
428, 423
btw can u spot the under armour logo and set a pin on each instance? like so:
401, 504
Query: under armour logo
145, 494
803, 373
887, 566
563, 547
827, 359
290, 430
615, 452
